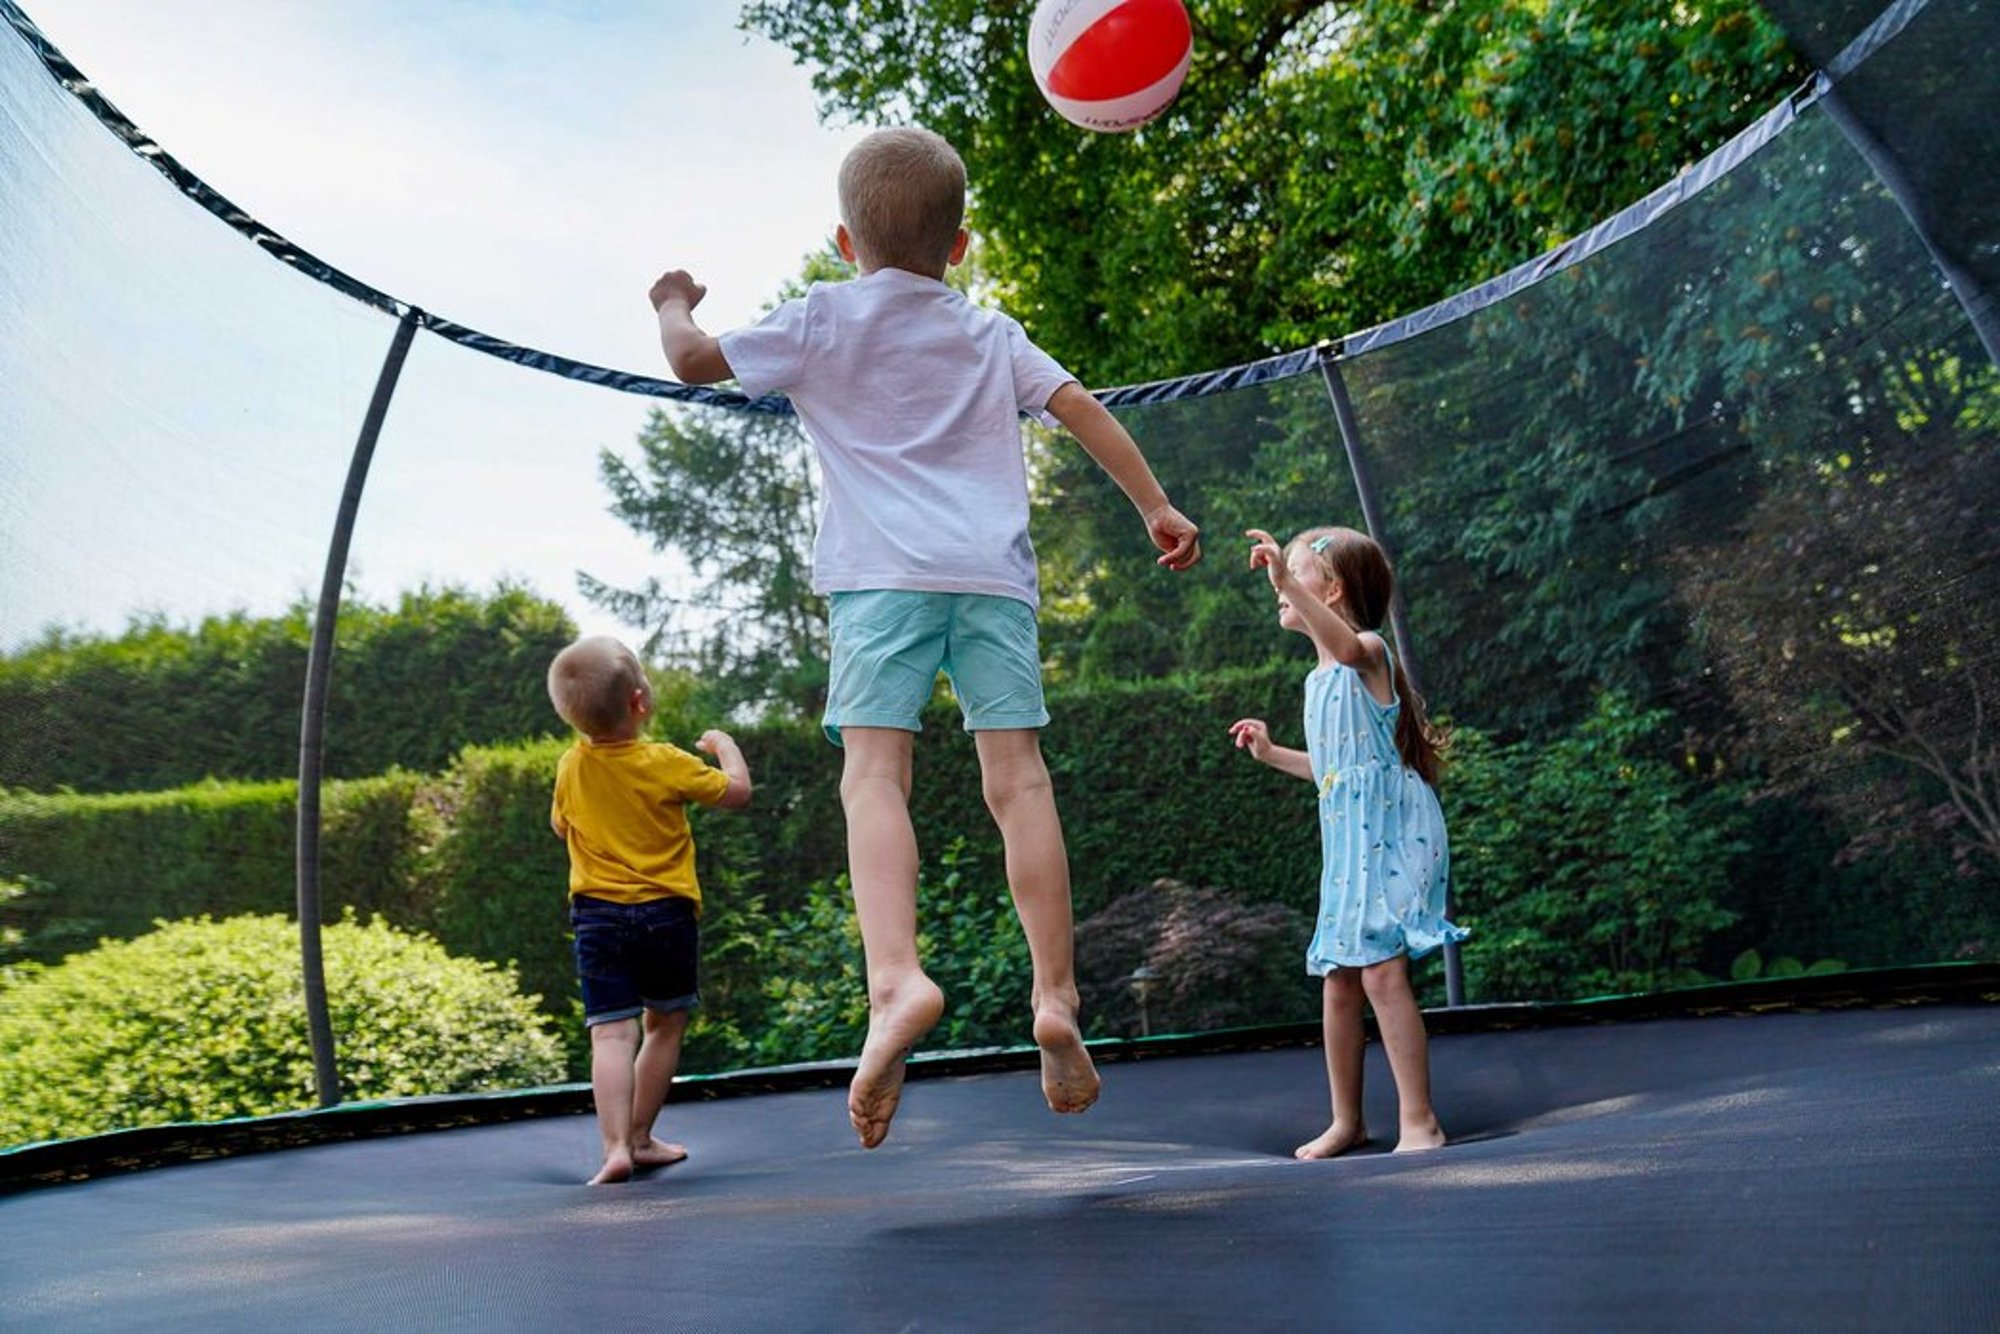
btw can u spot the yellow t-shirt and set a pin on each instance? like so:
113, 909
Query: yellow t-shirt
622, 811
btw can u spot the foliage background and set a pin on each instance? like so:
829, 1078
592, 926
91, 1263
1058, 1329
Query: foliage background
163, 705
200, 1020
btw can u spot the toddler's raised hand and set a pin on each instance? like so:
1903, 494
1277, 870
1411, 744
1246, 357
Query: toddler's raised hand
711, 741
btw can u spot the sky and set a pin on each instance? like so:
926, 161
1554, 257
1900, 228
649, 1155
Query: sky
175, 440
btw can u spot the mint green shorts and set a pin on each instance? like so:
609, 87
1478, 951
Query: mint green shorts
890, 644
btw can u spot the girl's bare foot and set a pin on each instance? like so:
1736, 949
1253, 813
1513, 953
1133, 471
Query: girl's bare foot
1338, 1139
1420, 1136
1069, 1077
894, 1026
617, 1167
656, 1153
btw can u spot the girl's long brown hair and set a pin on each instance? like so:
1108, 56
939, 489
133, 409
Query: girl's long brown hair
1367, 581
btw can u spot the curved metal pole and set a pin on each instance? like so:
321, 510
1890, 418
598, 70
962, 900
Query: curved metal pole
312, 721
1982, 311
1350, 438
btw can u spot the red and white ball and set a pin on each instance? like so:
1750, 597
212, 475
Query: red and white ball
1109, 64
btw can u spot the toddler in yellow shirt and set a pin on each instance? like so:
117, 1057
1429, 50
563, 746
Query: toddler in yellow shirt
621, 809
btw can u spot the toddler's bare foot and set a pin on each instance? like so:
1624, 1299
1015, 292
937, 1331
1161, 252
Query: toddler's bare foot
1069, 1077
1420, 1136
894, 1026
617, 1167
1338, 1139
656, 1153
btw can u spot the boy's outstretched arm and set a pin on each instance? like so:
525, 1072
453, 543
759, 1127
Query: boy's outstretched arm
696, 357
730, 759
1118, 454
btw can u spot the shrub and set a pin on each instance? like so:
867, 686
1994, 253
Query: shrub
16, 962
815, 1004
204, 1019
1212, 960
1585, 864
816, 988
974, 949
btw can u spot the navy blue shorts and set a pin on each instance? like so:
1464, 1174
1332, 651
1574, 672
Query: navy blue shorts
635, 956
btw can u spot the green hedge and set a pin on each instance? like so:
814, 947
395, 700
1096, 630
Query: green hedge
112, 866
468, 855
160, 706
202, 1020
1586, 861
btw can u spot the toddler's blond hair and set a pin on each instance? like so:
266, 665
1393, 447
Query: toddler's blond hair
591, 684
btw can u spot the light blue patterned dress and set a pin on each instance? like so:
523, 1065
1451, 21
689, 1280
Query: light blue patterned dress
1386, 865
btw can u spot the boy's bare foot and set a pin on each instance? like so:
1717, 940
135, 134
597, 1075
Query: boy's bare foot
656, 1153
1069, 1077
1337, 1139
1420, 1136
617, 1167
894, 1027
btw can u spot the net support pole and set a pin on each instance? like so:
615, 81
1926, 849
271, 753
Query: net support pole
1979, 304
312, 720
1371, 514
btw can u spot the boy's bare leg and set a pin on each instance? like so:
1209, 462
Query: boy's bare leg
1342, 1036
652, 1076
903, 1003
1408, 1047
612, 1048
1022, 799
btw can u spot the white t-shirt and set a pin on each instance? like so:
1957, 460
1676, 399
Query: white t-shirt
912, 397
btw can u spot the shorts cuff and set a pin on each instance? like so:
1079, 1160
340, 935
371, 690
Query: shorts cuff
898, 722
612, 1016
1007, 722
687, 1002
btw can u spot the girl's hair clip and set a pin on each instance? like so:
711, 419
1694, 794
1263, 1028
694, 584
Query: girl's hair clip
1319, 544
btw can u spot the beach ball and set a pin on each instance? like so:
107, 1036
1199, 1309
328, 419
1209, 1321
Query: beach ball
1109, 64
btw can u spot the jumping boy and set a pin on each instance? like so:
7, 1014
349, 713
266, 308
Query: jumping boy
620, 809
911, 396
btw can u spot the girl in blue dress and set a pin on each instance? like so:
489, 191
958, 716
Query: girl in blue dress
1373, 758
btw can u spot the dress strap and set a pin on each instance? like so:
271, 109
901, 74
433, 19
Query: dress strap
1389, 653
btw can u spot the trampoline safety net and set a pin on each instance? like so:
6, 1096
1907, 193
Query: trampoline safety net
1693, 528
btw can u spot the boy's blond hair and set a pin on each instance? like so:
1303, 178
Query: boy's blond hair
902, 196
591, 684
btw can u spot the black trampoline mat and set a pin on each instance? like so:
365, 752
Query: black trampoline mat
1796, 1171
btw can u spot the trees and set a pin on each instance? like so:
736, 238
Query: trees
1853, 620
1327, 165
1734, 466
734, 494
737, 496
1589, 865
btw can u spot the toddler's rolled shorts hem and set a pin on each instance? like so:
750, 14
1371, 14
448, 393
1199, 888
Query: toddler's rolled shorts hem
688, 1002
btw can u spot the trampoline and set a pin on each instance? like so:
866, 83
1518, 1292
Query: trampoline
1825, 1170
1799, 1153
